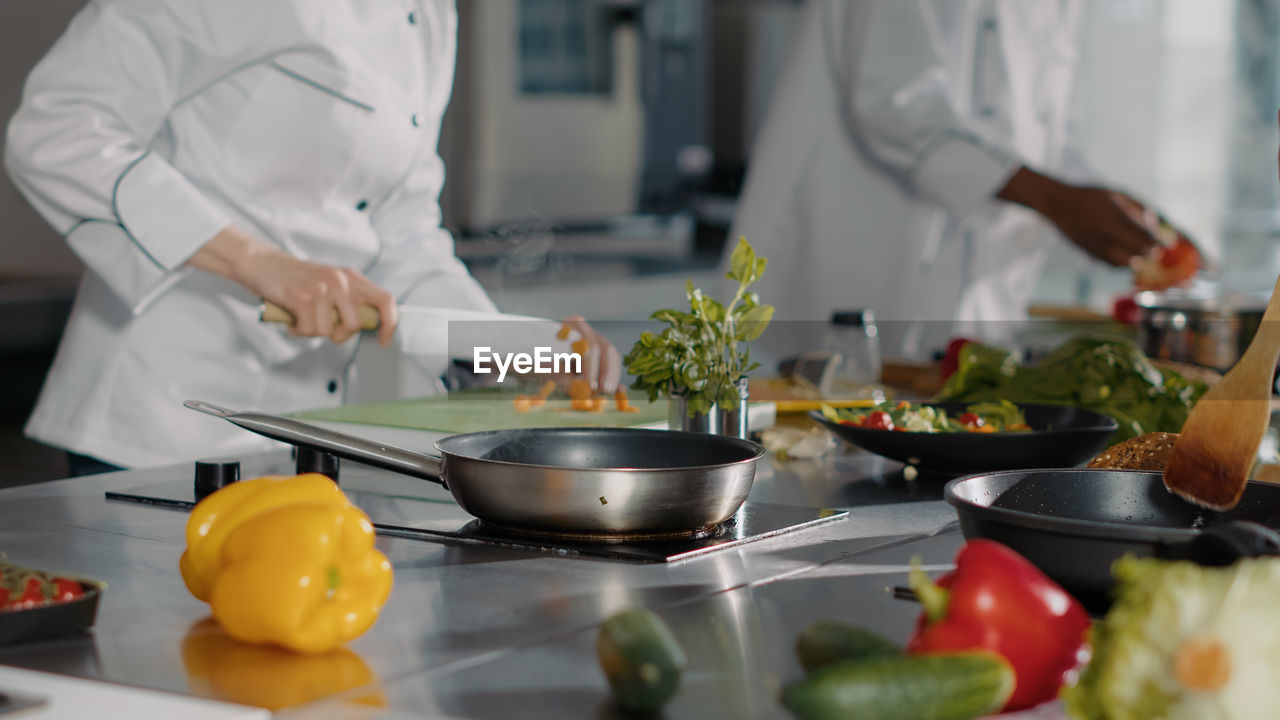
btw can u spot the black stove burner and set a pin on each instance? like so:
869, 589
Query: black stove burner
422, 518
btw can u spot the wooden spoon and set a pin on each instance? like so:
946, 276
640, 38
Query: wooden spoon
1216, 449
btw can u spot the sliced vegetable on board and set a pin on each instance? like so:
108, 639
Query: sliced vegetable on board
996, 600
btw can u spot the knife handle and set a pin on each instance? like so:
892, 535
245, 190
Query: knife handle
273, 313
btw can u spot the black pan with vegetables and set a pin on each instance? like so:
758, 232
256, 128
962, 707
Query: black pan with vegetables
1058, 437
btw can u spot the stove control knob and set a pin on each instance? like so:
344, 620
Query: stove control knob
214, 473
316, 461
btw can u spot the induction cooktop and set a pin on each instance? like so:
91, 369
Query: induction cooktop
424, 518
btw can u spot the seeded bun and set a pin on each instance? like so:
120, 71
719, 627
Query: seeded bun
1145, 452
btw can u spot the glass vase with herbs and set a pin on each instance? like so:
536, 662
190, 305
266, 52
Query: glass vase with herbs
700, 360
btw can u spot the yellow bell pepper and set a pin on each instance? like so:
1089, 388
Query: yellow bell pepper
304, 576
286, 561
215, 517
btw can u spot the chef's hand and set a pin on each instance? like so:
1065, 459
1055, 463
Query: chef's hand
311, 292
1108, 225
602, 363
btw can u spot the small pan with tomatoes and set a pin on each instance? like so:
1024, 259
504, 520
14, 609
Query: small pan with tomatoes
1051, 436
35, 604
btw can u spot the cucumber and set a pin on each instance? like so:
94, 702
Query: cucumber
641, 659
828, 642
909, 687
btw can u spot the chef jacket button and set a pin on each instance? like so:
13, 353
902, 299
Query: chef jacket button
362, 205
413, 18
333, 386
413, 119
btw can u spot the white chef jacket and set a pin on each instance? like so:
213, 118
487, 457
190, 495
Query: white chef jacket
152, 124
893, 126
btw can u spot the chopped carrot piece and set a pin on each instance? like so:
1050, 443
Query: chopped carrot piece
564, 333
579, 389
620, 397
598, 403
537, 401
522, 403
583, 404
547, 388
580, 346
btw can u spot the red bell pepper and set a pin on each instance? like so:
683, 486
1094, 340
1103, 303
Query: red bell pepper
997, 600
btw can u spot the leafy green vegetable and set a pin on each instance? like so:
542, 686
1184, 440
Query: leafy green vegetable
1184, 642
701, 354
1107, 374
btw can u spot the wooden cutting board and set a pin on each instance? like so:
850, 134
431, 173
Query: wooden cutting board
477, 411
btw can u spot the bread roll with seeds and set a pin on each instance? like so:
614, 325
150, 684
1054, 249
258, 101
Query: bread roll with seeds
1145, 452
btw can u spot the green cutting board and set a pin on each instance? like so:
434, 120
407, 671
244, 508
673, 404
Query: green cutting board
476, 411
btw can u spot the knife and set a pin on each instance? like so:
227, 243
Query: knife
421, 329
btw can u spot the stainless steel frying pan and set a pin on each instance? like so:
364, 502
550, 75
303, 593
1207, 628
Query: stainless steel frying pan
564, 481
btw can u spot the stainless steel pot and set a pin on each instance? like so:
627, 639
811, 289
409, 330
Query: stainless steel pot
1207, 330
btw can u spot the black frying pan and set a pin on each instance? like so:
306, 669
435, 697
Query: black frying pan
1073, 524
1060, 436
560, 481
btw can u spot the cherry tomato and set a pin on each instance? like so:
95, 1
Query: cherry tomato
65, 590
972, 420
32, 595
879, 420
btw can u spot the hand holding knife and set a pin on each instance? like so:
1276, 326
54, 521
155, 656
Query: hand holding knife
432, 331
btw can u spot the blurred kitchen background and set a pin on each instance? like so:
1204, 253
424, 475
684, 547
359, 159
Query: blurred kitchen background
595, 149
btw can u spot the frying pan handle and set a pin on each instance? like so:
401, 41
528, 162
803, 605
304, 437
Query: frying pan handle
1224, 544
294, 432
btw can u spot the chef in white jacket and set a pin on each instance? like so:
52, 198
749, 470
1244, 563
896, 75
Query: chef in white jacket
200, 156
915, 158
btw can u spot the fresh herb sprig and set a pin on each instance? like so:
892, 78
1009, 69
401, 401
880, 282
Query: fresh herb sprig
702, 353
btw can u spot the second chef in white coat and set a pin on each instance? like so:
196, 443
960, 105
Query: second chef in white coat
199, 156
913, 162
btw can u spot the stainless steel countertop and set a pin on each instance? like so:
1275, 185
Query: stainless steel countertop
477, 631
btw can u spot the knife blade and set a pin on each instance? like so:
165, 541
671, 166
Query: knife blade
420, 330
